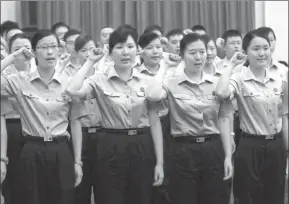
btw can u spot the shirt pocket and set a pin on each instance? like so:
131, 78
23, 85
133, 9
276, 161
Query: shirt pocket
186, 102
113, 98
30, 95
210, 107
276, 102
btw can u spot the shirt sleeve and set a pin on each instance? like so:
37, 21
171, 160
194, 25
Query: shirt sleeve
234, 85
5, 106
9, 85
285, 98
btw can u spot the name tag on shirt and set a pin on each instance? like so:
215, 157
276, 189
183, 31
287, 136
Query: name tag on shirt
92, 130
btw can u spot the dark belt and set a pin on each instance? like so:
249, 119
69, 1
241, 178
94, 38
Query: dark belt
13, 120
38, 139
197, 139
264, 137
136, 131
91, 129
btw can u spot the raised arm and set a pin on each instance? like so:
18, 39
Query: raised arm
222, 90
75, 86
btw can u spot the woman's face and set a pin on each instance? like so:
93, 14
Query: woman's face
18, 44
211, 52
153, 53
272, 41
47, 52
85, 51
123, 54
258, 52
195, 56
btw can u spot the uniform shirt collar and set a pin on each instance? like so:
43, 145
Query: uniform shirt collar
248, 75
205, 78
35, 75
111, 73
143, 69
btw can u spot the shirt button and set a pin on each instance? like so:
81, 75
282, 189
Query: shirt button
127, 96
129, 111
125, 83
270, 110
47, 113
47, 99
47, 127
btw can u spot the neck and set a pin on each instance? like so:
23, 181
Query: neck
258, 72
46, 73
74, 60
124, 73
152, 68
209, 68
22, 66
194, 75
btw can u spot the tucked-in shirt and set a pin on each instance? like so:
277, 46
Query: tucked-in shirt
163, 109
194, 108
5, 106
122, 104
259, 102
44, 108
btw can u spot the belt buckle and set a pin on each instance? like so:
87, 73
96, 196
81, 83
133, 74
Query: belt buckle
49, 139
269, 137
200, 139
91, 130
132, 132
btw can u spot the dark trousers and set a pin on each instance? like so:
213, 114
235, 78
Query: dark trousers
260, 166
237, 129
46, 172
198, 172
159, 193
83, 192
125, 168
14, 147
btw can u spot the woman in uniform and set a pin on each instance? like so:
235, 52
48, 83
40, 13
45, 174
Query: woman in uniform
47, 169
90, 123
128, 158
260, 159
200, 127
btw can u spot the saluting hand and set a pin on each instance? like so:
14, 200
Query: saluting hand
23, 54
78, 174
159, 175
96, 54
228, 167
3, 171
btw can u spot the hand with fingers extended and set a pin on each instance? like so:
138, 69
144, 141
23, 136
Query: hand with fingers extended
228, 168
78, 174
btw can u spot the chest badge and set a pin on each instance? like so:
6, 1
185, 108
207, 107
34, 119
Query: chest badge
142, 89
64, 96
275, 90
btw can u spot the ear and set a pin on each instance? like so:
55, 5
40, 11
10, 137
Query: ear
220, 42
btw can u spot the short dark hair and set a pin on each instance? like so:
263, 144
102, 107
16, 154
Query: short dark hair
231, 33
250, 36
42, 33
8, 25
152, 28
15, 37
283, 62
81, 41
174, 32
121, 34
57, 25
146, 39
190, 38
266, 31
198, 27
70, 33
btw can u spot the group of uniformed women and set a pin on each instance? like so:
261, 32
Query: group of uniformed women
141, 118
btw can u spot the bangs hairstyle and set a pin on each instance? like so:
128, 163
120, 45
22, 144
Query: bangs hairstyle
146, 39
15, 37
58, 25
8, 25
250, 36
198, 27
120, 35
42, 33
190, 38
70, 33
152, 28
266, 31
174, 32
81, 41
231, 33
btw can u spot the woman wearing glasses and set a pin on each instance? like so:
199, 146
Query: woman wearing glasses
47, 169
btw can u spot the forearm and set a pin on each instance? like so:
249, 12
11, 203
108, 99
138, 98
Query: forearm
222, 89
155, 88
285, 130
6, 62
3, 138
76, 134
77, 80
225, 135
